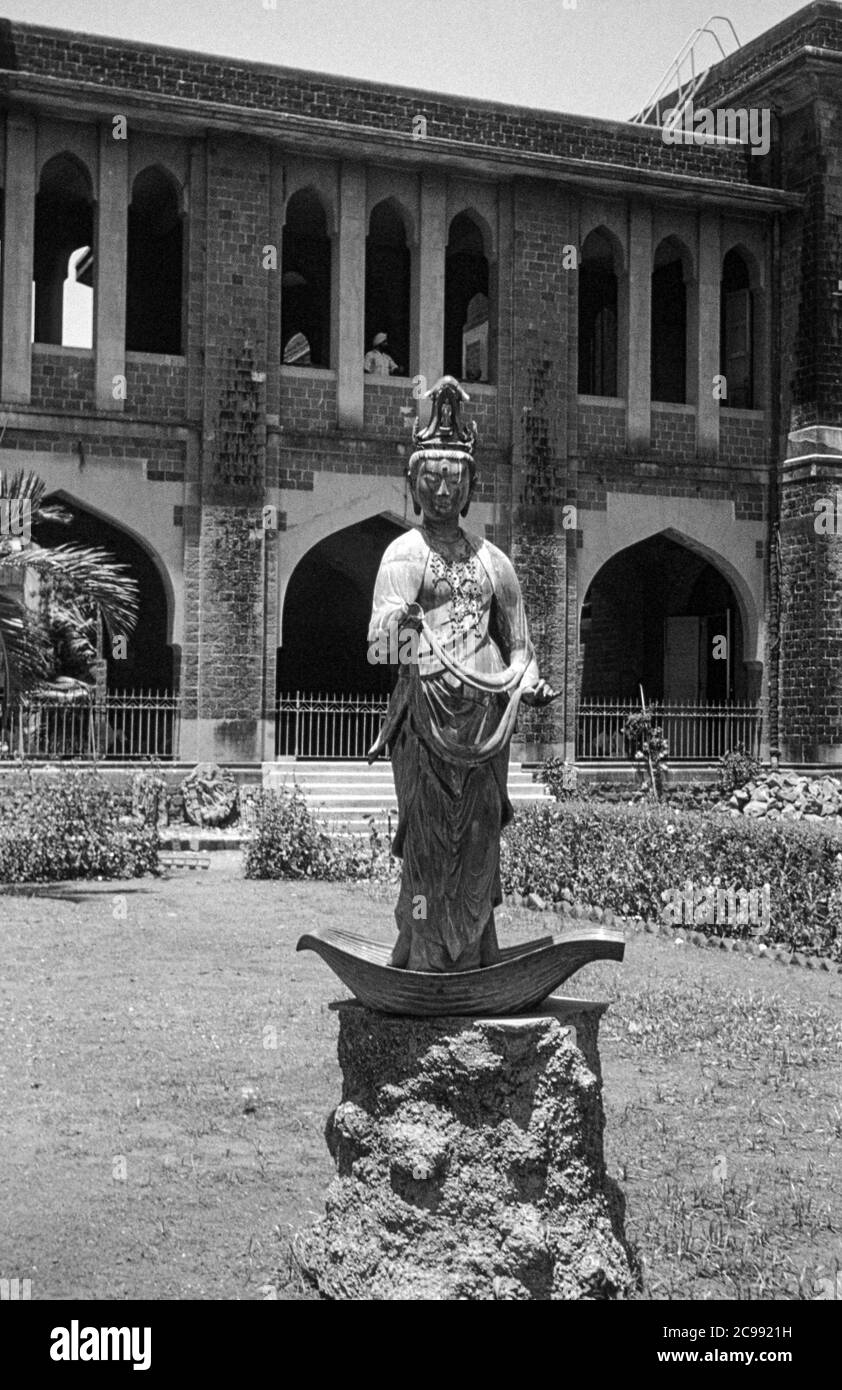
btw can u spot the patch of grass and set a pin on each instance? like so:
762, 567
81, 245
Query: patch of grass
146, 1037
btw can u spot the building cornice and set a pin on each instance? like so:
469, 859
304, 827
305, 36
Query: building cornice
313, 135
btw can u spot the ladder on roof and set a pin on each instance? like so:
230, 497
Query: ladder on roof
681, 81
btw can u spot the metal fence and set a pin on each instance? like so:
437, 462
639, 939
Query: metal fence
694, 733
117, 727
328, 726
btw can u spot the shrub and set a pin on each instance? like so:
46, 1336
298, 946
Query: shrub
71, 827
288, 840
647, 745
627, 858
561, 777
736, 768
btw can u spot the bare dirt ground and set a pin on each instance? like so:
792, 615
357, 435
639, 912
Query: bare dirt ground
167, 1063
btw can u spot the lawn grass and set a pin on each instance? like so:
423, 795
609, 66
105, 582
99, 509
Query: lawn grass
186, 1045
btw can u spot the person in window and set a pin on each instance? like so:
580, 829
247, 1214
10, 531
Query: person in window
378, 362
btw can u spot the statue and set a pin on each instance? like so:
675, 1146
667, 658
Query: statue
454, 708
461, 680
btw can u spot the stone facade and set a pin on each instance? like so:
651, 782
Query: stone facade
201, 441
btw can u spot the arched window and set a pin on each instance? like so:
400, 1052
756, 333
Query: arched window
669, 324
467, 350
387, 279
154, 265
736, 332
62, 269
598, 317
305, 283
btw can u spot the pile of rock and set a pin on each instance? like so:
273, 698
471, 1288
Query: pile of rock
787, 796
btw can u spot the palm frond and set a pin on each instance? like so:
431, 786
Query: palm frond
26, 643
90, 573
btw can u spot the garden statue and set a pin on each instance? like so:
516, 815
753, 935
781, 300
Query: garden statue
468, 1143
454, 707
461, 680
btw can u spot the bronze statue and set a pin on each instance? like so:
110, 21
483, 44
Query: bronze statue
461, 679
453, 711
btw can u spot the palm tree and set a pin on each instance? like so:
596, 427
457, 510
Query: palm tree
82, 585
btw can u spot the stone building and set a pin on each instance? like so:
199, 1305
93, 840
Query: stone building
650, 333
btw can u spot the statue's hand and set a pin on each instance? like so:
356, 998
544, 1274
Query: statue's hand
413, 616
540, 694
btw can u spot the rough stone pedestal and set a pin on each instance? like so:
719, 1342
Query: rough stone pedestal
470, 1162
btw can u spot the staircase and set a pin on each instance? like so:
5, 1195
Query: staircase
347, 794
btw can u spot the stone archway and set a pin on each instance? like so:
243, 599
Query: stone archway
661, 615
327, 609
150, 661
330, 697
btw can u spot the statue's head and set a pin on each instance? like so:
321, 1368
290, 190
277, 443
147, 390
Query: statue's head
442, 471
442, 482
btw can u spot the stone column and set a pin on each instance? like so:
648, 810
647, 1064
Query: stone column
348, 298
429, 306
706, 344
639, 414
470, 1162
110, 268
16, 361
810, 695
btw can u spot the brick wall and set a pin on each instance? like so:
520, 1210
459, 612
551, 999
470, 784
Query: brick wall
544, 445
155, 386
308, 399
63, 56
674, 431
224, 650
164, 455
602, 428
811, 623
383, 405
62, 378
743, 438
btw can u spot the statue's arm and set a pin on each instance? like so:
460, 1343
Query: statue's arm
396, 589
512, 615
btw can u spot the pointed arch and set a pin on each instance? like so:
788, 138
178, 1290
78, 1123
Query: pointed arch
468, 311
306, 281
152, 659
155, 319
63, 253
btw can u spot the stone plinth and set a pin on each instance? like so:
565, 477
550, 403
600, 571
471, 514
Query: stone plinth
470, 1162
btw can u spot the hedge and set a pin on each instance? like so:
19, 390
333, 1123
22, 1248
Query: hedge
632, 859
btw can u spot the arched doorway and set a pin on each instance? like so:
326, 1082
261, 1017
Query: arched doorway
661, 616
146, 661
330, 697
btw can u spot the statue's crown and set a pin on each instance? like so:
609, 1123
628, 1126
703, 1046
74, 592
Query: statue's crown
445, 430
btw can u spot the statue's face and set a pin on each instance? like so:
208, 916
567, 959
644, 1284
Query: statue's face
443, 488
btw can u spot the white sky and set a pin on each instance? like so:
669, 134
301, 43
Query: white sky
602, 58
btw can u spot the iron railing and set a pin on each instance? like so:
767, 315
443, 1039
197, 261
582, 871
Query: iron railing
328, 726
694, 733
114, 727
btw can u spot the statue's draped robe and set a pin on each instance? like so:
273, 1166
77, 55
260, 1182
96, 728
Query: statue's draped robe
450, 743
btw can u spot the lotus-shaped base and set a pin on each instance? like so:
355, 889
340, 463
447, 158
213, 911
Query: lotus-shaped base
523, 977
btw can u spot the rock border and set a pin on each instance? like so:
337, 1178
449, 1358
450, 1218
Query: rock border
606, 917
